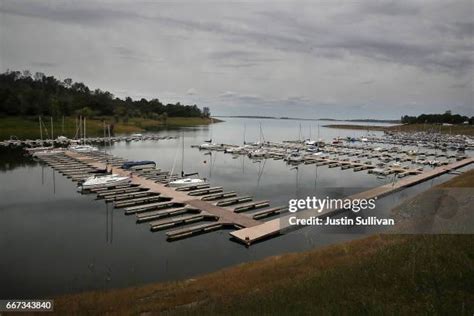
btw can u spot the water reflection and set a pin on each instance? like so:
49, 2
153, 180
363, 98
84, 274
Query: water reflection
109, 224
12, 158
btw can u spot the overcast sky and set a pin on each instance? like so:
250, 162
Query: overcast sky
342, 59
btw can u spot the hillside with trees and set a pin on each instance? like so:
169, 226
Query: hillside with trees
25, 94
445, 118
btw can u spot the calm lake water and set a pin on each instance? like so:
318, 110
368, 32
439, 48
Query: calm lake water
54, 240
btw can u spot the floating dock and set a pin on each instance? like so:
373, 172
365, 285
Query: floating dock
210, 208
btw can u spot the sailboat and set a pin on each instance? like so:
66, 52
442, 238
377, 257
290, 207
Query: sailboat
41, 148
238, 149
184, 181
103, 181
83, 148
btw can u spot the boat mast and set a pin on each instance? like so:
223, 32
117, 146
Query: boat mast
79, 136
105, 149
262, 137
182, 155
84, 130
41, 129
52, 129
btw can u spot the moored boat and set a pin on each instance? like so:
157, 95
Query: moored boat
138, 165
48, 152
83, 148
185, 181
294, 157
103, 181
258, 153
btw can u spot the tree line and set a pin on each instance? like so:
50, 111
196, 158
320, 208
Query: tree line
27, 94
447, 117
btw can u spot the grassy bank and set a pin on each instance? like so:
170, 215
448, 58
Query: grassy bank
381, 274
28, 128
455, 129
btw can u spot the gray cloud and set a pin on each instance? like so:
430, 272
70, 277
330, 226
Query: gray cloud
43, 64
311, 57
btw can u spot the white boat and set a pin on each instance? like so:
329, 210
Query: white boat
363, 139
186, 181
62, 139
234, 150
38, 149
136, 135
83, 148
434, 162
309, 142
103, 181
294, 157
312, 149
48, 152
208, 146
258, 153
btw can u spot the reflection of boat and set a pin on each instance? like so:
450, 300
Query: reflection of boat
83, 148
186, 181
136, 165
103, 181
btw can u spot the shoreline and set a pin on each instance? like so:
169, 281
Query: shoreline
28, 127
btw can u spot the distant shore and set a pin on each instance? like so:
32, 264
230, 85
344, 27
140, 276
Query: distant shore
454, 129
309, 119
28, 127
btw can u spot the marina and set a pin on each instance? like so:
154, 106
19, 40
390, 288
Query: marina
203, 208
244, 200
